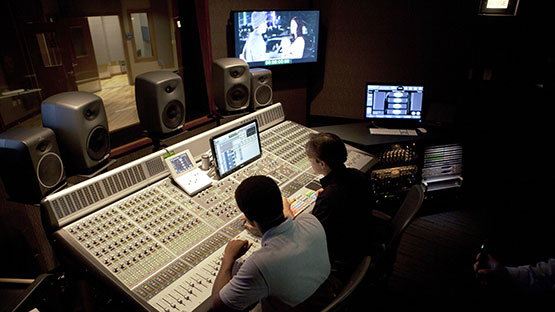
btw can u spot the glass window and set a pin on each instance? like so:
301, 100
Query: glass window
143, 35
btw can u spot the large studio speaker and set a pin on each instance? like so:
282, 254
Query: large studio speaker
31, 163
231, 85
79, 122
261, 87
160, 101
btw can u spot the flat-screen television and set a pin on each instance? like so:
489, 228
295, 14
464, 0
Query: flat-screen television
394, 102
266, 38
236, 148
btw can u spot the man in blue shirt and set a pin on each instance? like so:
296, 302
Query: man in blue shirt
291, 264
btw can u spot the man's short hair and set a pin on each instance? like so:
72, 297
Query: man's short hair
327, 147
259, 198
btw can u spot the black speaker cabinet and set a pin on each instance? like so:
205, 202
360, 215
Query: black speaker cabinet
31, 163
160, 101
261, 88
79, 122
231, 85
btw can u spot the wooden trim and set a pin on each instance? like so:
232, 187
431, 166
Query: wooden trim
130, 147
147, 141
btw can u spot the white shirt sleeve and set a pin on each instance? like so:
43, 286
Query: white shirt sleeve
538, 278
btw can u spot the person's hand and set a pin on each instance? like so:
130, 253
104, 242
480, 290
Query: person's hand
287, 208
236, 248
493, 273
320, 190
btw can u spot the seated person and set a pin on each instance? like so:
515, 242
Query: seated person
343, 206
291, 265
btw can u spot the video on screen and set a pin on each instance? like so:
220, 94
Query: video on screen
264, 38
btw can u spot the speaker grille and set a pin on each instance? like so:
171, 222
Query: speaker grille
155, 166
237, 96
263, 95
50, 170
98, 143
173, 115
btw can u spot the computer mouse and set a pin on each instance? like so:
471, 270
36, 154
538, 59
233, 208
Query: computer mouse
422, 130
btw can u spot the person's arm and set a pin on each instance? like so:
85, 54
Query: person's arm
233, 250
534, 279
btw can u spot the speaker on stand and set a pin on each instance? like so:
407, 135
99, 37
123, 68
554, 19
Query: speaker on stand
79, 121
231, 85
31, 164
261, 88
160, 100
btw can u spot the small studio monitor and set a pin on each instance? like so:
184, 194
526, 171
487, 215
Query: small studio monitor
79, 122
261, 88
231, 85
160, 100
31, 163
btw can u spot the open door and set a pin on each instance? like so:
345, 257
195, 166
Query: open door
83, 60
62, 55
51, 61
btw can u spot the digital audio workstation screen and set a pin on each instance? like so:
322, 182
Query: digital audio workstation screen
236, 148
394, 101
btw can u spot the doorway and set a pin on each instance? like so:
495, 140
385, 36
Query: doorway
115, 89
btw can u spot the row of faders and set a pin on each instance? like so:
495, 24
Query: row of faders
192, 289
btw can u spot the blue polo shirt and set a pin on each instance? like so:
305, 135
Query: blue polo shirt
288, 268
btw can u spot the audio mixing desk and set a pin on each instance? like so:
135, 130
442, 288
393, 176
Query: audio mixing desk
158, 246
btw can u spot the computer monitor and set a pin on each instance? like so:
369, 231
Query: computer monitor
267, 38
236, 148
394, 102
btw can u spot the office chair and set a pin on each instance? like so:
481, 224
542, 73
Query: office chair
375, 270
382, 266
42, 293
342, 299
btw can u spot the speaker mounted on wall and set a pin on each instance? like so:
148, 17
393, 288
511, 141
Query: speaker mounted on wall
160, 101
31, 163
261, 88
81, 127
231, 85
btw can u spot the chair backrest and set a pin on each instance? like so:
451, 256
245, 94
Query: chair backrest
384, 262
404, 216
349, 288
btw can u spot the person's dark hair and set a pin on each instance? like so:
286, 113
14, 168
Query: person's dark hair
300, 25
259, 198
327, 147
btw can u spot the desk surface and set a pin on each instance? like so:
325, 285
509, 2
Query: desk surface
359, 135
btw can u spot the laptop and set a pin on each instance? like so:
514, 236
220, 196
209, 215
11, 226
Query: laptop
393, 108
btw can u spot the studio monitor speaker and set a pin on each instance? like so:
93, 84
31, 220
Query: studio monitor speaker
79, 122
160, 100
261, 87
231, 85
31, 163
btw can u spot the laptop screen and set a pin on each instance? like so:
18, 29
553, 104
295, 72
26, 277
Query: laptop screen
236, 148
393, 101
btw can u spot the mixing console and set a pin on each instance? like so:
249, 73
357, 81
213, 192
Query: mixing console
163, 248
